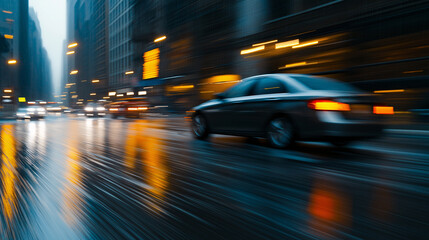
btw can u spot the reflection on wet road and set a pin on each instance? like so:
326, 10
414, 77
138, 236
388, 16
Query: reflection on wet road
148, 179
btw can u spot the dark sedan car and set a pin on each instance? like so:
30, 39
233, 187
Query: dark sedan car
288, 107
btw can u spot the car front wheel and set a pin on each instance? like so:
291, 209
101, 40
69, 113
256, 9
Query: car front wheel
280, 133
200, 127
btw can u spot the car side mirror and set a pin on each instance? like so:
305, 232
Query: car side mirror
220, 96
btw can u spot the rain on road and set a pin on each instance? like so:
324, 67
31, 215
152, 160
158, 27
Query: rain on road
77, 178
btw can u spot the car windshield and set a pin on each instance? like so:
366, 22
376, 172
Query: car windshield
321, 83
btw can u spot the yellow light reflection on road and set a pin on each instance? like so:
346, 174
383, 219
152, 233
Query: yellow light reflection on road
8, 171
328, 207
72, 199
155, 172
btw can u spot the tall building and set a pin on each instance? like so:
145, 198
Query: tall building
87, 61
120, 47
9, 42
39, 82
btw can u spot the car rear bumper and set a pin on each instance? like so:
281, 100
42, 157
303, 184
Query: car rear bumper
332, 125
352, 130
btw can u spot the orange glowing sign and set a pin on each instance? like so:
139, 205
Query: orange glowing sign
151, 64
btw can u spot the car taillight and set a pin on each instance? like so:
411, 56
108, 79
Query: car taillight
328, 105
386, 110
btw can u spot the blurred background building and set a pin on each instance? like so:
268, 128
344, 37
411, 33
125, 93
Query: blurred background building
178, 53
24, 63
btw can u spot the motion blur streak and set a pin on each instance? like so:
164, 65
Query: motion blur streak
72, 193
8, 170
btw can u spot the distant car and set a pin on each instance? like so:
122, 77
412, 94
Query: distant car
94, 110
32, 112
288, 107
129, 109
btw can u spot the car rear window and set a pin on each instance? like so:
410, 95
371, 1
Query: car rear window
321, 83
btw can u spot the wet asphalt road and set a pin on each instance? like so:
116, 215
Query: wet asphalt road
149, 179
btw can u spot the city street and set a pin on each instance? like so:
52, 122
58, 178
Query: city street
103, 178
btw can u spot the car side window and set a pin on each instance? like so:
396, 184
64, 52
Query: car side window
269, 86
240, 90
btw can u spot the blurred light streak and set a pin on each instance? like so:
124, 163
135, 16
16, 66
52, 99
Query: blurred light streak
252, 50
298, 64
129, 72
264, 43
120, 95
112, 93
130, 93
306, 44
8, 171
287, 44
70, 52
72, 45
142, 93
74, 72
95, 81
7, 90
8, 36
390, 91
415, 71
386, 110
93, 94
8, 12
12, 62
184, 87
162, 38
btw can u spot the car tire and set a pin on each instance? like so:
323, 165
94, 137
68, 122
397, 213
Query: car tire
200, 127
280, 132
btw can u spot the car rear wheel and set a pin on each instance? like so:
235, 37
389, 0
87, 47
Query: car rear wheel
200, 127
280, 133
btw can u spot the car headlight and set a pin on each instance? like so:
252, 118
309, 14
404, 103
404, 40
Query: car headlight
101, 109
89, 109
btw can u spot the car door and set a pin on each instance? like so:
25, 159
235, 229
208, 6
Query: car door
254, 111
222, 116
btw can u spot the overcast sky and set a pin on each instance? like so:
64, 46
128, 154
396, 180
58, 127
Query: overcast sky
52, 17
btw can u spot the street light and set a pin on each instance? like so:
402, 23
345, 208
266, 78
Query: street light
72, 45
162, 38
74, 72
7, 90
95, 81
129, 72
12, 62
70, 52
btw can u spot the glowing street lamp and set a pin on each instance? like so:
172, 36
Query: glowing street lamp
12, 62
74, 72
160, 39
72, 45
70, 52
129, 72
